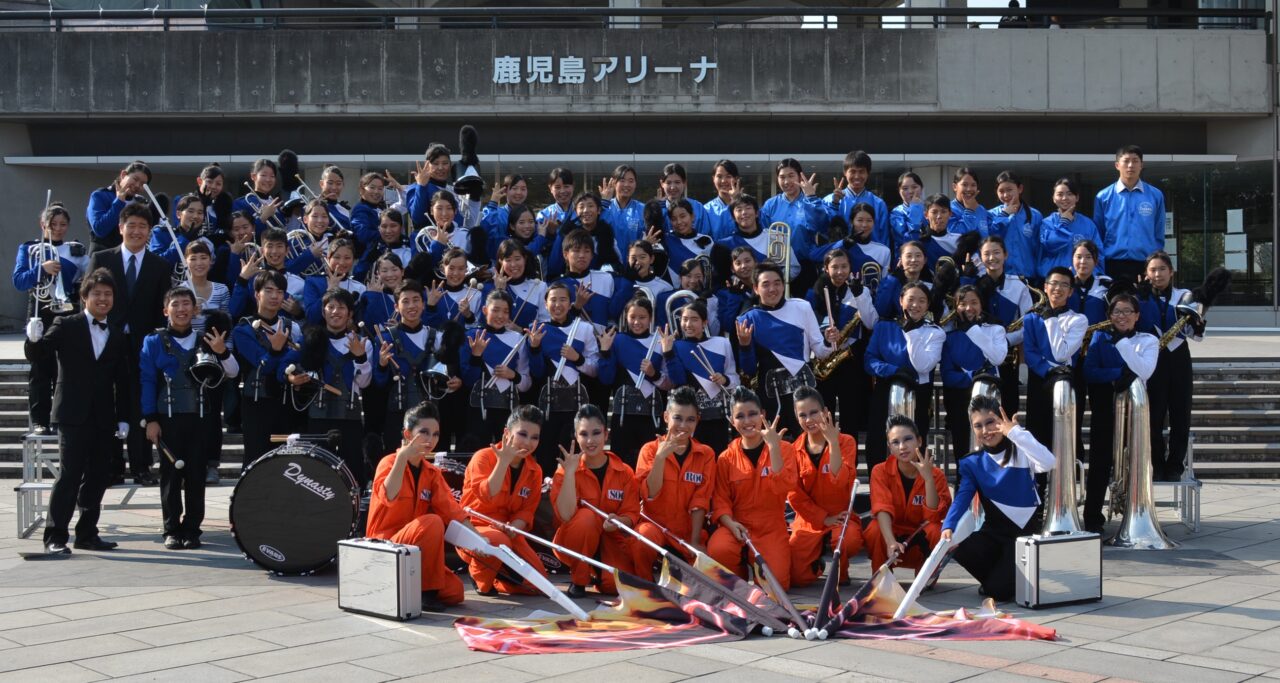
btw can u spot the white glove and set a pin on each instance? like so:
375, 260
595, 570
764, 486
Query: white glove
122, 430
35, 329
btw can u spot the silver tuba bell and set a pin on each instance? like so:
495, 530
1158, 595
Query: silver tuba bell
1131, 478
676, 301
902, 399
779, 251
983, 385
1060, 512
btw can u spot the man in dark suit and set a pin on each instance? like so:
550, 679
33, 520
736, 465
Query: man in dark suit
90, 405
142, 278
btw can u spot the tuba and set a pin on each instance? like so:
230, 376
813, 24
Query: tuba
300, 241
983, 385
779, 251
902, 400
1061, 514
1131, 478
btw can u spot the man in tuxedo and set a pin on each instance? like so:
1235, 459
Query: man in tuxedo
90, 405
143, 278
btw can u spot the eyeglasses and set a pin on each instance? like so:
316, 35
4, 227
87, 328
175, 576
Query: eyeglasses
1123, 311
1057, 284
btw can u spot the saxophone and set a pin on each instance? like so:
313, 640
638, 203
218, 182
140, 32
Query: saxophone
822, 369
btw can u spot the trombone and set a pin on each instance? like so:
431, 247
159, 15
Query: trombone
181, 276
779, 251
304, 190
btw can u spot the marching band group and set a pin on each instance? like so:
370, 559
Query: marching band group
647, 357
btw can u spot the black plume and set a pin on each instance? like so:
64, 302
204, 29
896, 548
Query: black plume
653, 216
467, 141
1217, 282
967, 244
1119, 287
216, 321
945, 281
315, 347
373, 450
288, 163
162, 207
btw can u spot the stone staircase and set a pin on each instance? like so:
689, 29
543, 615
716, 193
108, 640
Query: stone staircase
1235, 421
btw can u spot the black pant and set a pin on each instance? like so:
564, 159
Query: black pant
182, 434
1169, 392
211, 425
139, 449
955, 400
40, 382
989, 557
628, 433
350, 444
259, 420
1039, 408
484, 427
878, 416
714, 433
557, 431
1122, 270
1010, 390
780, 405
87, 454
454, 408
1102, 423
847, 392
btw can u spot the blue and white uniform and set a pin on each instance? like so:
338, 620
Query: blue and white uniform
806, 216
376, 307
1090, 297
713, 312
971, 350
313, 291
103, 214
906, 222
696, 356
915, 347
1010, 299
964, 219
530, 297
450, 306
719, 219
786, 336
1052, 340
166, 383
889, 293
626, 355
161, 245
759, 245
842, 209
1111, 353
248, 203
28, 269
495, 354
604, 253
544, 360
610, 293
680, 249
846, 305
242, 297
627, 222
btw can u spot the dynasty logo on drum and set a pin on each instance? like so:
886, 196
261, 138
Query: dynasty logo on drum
294, 474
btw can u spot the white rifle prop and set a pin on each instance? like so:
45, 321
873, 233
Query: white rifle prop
462, 537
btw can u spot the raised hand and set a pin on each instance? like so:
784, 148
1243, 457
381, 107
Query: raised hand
830, 431
744, 332
666, 338
1007, 424
922, 461
217, 342
436, 293
770, 432
654, 236
251, 268
605, 339
838, 193
536, 332
507, 451
355, 344
277, 337
413, 449
606, 188
499, 194
582, 296
391, 180
809, 185
479, 343
385, 354
571, 459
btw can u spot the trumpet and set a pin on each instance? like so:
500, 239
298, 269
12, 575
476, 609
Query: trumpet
181, 276
825, 367
779, 251
300, 241
255, 205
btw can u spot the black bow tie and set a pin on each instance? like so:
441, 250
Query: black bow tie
99, 324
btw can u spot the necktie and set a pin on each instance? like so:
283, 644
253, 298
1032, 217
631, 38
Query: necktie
131, 275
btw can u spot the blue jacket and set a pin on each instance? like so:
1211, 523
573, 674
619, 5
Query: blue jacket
1131, 221
965, 220
1021, 238
1058, 240
880, 233
806, 215
906, 222
103, 212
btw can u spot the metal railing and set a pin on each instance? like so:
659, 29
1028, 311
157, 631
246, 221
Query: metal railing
614, 17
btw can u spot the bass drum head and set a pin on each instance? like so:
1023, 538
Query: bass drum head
291, 507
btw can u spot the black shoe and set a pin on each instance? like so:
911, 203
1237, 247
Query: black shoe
431, 601
117, 479
1094, 527
57, 548
173, 543
191, 543
489, 593
144, 479
576, 591
95, 543
211, 477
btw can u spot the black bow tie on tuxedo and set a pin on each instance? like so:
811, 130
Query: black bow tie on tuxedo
98, 324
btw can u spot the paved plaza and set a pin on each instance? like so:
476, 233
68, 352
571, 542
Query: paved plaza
1207, 612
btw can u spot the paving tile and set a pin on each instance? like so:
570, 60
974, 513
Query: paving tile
729, 655
53, 673
1005, 676
132, 603
332, 673
851, 677
195, 673
1052, 673
842, 654
1188, 637
47, 600
420, 659
684, 661
1260, 615
746, 674
1226, 664
1011, 650
204, 629
561, 664
276, 599
1247, 655
171, 656
94, 626
344, 626
619, 671
280, 661
26, 619
484, 672
1129, 650
1107, 664
72, 650
775, 645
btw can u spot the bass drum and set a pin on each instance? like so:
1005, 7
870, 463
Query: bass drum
292, 506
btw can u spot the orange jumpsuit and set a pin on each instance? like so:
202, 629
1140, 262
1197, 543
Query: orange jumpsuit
819, 494
888, 496
513, 502
418, 516
755, 496
584, 531
685, 488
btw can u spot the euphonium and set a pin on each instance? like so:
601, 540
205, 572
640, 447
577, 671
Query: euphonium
1131, 476
300, 241
688, 296
779, 251
823, 368
1060, 513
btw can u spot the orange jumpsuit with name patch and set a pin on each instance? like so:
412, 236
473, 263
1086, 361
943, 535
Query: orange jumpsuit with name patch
584, 531
887, 495
418, 515
686, 487
820, 494
517, 500
756, 496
